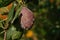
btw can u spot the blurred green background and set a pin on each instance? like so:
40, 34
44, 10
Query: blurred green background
47, 18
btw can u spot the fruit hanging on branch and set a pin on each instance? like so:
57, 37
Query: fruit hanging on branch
27, 18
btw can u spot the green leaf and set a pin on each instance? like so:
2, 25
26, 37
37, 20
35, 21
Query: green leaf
16, 14
16, 35
10, 14
10, 31
1, 25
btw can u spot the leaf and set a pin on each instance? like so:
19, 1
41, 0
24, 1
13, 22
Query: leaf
10, 14
1, 25
16, 14
3, 9
9, 6
16, 35
10, 31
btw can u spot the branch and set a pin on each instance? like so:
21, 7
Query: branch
5, 35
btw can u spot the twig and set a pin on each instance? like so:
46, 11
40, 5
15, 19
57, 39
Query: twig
5, 35
5, 30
